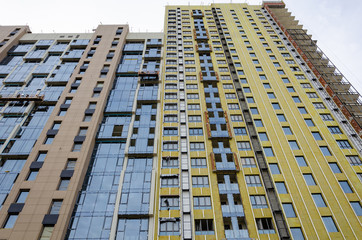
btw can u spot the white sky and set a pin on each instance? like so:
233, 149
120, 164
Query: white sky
334, 23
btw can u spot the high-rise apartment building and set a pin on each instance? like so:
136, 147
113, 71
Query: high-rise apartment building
231, 124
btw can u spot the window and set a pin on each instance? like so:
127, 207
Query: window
265, 225
169, 227
309, 122
344, 144
195, 131
312, 95
170, 131
318, 200
285, 80
258, 201
296, 99
329, 224
87, 118
170, 146
56, 205
77, 147
309, 179
194, 118
326, 117
335, 130
233, 106
268, 151
345, 186
317, 136
198, 162
357, 208
230, 86
282, 189
46, 233
192, 96
354, 160
71, 164
274, 168
259, 69
262, 77
258, 123
10, 221
301, 161
250, 100
236, 118
32, 175
191, 86
281, 118
325, 151
82, 131
247, 90
56, 125
254, 110
244, 146
170, 106
263, 136
201, 202
281, 72
41, 156
68, 101
170, 118
22, 196
168, 162
319, 105
253, 181
197, 146
240, 131
230, 96
271, 95
169, 181
200, 181
297, 233
248, 162
289, 210
63, 185
49, 140
168, 203
204, 227
170, 95
266, 85
276, 106
335, 168
62, 112
287, 131
306, 85
302, 110
290, 89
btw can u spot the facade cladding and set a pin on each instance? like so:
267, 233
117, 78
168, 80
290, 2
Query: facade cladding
231, 124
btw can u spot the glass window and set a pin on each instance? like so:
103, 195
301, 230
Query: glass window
318, 200
197, 146
200, 181
301, 161
254, 110
265, 225
293, 145
49, 140
329, 224
317, 136
46, 233
248, 162
287, 131
344, 144
297, 233
204, 227
326, 117
63, 185
168, 162
357, 208
335, 130
202, 202
169, 181
282, 189
198, 162
240, 131
195, 131
22, 196
274, 168
281, 118
268, 151
335, 168
56, 205
325, 151
169, 202
309, 122
302, 110
253, 181
41, 156
345, 186
263, 136
276, 106
169, 228
10, 222
77, 147
32, 175
354, 160
258, 123
258, 201
309, 179
289, 210
244, 146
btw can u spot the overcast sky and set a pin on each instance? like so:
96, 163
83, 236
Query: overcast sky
334, 23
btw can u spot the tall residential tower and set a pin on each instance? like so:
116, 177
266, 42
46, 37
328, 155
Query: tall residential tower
231, 124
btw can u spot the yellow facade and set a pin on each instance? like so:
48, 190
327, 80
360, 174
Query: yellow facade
257, 49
